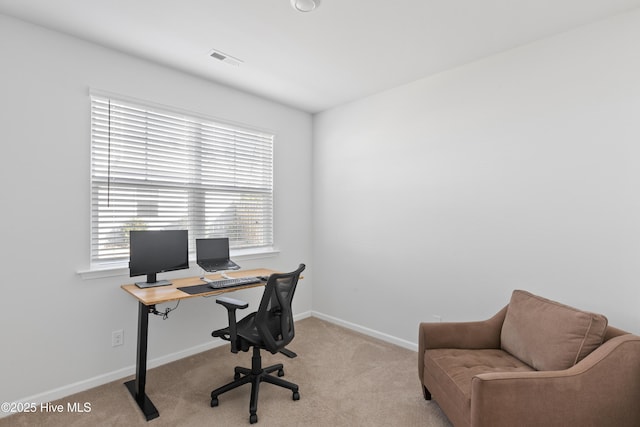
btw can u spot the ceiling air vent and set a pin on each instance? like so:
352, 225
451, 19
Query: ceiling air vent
228, 59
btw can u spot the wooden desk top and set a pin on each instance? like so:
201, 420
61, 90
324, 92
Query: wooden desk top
160, 294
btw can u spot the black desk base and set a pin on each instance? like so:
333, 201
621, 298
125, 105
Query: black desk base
136, 386
146, 405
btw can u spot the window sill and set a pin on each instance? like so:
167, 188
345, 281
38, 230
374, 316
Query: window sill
121, 269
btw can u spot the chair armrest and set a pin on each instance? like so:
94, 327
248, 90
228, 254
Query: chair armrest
602, 389
231, 304
470, 335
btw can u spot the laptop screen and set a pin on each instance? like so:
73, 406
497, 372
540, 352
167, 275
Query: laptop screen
212, 249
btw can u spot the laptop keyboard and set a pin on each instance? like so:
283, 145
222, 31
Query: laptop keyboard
232, 283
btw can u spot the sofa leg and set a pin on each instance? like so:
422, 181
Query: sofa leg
427, 394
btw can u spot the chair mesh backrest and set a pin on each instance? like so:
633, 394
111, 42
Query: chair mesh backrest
274, 318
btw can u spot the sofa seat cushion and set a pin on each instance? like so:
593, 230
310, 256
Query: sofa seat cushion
453, 369
547, 335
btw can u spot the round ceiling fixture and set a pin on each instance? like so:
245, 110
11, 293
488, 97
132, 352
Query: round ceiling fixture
305, 5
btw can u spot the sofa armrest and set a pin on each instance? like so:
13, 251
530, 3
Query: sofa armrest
470, 335
601, 390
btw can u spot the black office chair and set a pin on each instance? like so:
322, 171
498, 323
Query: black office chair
269, 328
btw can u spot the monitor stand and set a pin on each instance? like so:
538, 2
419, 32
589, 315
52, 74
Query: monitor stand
152, 282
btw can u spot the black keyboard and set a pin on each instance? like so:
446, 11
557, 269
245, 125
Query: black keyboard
232, 283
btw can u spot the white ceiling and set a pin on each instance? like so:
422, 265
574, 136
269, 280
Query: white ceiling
345, 50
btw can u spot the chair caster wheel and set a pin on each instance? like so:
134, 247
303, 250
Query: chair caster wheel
296, 395
236, 376
281, 372
253, 419
214, 402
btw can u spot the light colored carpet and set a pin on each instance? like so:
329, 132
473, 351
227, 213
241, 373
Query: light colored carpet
345, 379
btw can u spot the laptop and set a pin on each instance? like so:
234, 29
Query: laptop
213, 254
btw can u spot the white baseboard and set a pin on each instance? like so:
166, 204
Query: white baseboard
301, 316
120, 374
67, 390
367, 331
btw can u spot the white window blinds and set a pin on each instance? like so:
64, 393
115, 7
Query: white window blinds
155, 169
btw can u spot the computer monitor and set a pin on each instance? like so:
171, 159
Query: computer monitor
156, 251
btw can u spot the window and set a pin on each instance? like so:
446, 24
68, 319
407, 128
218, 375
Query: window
156, 169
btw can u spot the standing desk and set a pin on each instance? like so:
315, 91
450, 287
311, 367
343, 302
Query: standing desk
147, 300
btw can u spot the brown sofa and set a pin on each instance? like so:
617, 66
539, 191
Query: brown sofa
535, 363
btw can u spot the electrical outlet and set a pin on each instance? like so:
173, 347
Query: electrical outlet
117, 338
437, 317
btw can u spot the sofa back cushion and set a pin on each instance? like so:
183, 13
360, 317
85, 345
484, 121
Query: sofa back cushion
547, 335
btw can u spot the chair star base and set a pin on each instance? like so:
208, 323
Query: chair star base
255, 376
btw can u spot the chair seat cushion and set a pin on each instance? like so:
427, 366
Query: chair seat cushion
246, 332
452, 369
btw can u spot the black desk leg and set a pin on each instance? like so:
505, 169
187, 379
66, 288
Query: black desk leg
136, 386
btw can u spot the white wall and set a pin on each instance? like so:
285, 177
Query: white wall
517, 171
56, 326
438, 197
